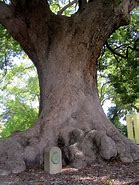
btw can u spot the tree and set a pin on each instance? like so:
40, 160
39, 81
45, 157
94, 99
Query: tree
19, 88
118, 65
117, 71
114, 114
65, 51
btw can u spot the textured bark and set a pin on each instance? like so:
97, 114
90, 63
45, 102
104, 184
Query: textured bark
65, 52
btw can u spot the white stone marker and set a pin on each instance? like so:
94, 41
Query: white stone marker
53, 160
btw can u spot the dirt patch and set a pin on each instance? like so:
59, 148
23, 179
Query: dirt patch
113, 173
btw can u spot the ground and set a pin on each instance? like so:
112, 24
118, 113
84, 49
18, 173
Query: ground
113, 173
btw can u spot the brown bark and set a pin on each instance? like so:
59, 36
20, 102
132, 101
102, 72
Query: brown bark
65, 52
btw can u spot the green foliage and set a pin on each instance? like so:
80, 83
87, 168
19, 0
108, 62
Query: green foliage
8, 48
118, 76
15, 113
114, 113
19, 99
121, 73
56, 6
17, 116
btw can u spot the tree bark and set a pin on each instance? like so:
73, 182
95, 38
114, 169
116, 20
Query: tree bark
65, 52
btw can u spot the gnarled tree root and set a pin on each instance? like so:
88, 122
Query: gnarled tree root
79, 149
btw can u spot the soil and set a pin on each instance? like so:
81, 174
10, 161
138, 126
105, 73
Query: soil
113, 173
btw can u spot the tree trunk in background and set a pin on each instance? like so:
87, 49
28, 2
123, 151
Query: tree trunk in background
71, 116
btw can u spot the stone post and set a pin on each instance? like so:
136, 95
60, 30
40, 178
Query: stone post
53, 160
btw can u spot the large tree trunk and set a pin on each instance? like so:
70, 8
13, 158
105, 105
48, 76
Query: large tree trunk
71, 116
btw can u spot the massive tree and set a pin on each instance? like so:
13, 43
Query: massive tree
65, 51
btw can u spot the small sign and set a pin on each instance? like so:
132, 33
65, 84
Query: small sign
133, 127
53, 160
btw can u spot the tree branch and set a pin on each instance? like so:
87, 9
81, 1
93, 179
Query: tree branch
115, 52
133, 4
21, 24
5, 12
60, 12
82, 4
102, 87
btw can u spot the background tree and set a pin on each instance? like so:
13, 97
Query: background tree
118, 71
65, 51
19, 98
